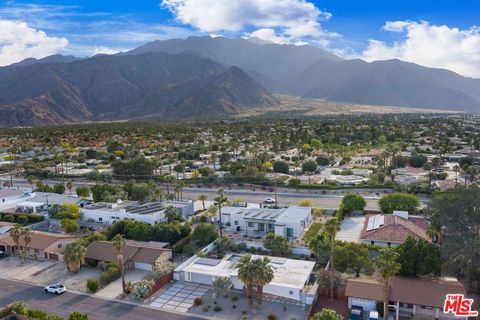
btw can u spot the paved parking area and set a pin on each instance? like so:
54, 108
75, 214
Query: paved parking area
179, 297
351, 229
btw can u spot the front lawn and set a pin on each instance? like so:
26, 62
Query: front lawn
313, 231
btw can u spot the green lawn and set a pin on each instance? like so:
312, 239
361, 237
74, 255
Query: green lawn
313, 230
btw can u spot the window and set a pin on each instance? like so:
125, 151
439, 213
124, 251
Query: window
289, 232
59, 246
100, 219
235, 222
250, 224
372, 242
188, 276
389, 244
37, 251
261, 227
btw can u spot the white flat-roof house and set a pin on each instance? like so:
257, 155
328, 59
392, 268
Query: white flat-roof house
291, 280
288, 222
152, 212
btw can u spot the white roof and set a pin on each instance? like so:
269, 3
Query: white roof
287, 272
30, 204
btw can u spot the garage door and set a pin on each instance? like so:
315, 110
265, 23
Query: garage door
367, 305
143, 266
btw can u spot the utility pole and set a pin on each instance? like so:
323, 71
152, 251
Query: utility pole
276, 199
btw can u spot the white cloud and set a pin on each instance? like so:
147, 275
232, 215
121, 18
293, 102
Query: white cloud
279, 20
430, 45
107, 50
268, 34
18, 41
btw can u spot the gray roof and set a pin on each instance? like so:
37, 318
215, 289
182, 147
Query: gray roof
55, 198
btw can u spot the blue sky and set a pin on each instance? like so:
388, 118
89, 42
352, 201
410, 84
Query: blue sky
368, 29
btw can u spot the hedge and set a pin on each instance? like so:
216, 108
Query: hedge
21, 218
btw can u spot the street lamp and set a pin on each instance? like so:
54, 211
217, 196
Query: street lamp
221, 199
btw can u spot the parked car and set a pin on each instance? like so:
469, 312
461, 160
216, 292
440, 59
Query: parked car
356, 313
373, 315
2, 254
269, 200
55, 288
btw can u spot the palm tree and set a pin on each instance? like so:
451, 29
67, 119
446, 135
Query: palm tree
27, 238
202, 198
179, 184
74, 254
69, 186
263, 276
388, 267
16, 233
222, 285
456, 169
119, 244
246, 273
331, 228
168, 180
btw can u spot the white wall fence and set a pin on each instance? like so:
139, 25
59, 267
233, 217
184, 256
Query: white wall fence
295, 250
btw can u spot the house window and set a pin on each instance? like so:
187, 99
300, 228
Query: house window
372, 242
188, 276
289, 232
235, 222
100, 219
59, 246
250, 224
37, 251
261, 227
271, 227
406, 305
426, 307
389, 244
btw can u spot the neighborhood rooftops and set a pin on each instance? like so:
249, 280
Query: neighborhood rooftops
39, 240
55, 198
282, 215
395, 227
419, 291
137, 251
287, 272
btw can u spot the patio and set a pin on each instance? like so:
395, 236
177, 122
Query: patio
179, 297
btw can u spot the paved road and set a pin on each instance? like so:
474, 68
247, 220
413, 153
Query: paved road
63, 305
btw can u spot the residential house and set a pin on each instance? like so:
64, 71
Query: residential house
136, 254
292, 281
408, 296
152, 212
5, 227
288, 222
50, 199
393, 229
9, 197
43, 245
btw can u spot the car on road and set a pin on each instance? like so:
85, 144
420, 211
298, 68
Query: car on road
55, 288
269, 200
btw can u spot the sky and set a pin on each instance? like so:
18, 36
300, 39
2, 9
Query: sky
434, 33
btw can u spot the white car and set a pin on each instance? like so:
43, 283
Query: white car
269, 200
55, 288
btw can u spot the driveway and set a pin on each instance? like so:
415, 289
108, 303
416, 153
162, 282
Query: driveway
179, 297
114, 289
351, 229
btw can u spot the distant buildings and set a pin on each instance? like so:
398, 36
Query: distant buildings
288, 222
152, 212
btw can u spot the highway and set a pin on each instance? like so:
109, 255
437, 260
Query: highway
65, 304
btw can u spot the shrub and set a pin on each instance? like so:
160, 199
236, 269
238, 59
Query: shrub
22, 219
197, 301
163, 269
8, 218
217, 308
78, 316
242, 246
142, 289
234, 306
92, 285
234, 298
272, 316
112, 273
206, 308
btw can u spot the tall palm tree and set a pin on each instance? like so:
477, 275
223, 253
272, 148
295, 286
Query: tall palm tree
263, 276
388, 267
179, 184
16, 233
456, 169
119, 244
27, 238
202, 198
331, 228
246, 273
74, 254
168, 180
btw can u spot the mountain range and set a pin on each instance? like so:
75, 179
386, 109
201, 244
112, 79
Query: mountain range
205, 76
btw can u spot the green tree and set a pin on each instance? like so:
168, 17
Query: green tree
119, 245
203, 198
83, 191
222, 285
280, 167
77, 316
320, 247
246, 274
277, 244
74, 255
326, 314
306, 203
69, 186
399, 201
68, 210
331, 227
172, 214
204, 234
418, 257
353, 201
387, 265
352, 257
16, 233
309, 166
263, 276
69, 225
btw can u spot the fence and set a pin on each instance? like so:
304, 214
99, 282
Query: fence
160, 283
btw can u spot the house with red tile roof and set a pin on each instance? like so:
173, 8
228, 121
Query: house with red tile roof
391, 230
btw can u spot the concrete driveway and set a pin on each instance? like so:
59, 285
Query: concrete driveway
179, 296
114, 289
351, 229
